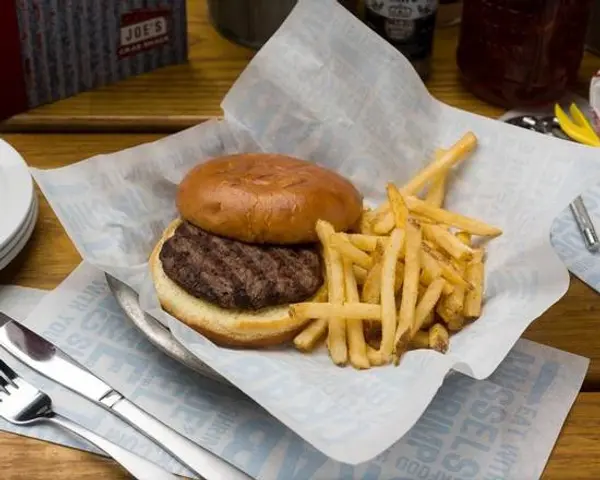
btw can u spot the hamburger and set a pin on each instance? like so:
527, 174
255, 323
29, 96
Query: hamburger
245, 247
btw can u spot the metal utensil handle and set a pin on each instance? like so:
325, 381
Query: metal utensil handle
586, 227
201, 461
139, 467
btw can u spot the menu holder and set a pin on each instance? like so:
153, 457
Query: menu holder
50, 53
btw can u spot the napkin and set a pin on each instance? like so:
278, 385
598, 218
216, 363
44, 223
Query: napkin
568, 242
502, 427
18, 303
328, 89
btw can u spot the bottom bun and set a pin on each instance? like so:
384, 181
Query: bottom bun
233, 328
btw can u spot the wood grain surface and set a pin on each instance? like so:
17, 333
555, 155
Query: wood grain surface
176, 97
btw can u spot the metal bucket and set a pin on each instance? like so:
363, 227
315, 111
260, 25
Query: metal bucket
252, 22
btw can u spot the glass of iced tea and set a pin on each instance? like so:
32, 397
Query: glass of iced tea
519, 53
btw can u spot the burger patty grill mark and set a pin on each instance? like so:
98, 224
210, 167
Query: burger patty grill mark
236, 275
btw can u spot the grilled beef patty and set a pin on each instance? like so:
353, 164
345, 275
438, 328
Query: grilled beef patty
236, 275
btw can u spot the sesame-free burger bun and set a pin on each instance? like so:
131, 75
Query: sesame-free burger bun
266, 198
231, 328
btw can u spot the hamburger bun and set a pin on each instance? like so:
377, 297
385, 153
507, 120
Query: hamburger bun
234, 328
267, 198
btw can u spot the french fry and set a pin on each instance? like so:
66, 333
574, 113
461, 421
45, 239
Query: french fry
367, 243
377, 254
474, 297
458, 265
399, 277
360, 274
452, 318
456, 323
375, 357
388, 295
371, 291
402, 279
322, 295
381, 209
384, 224
454, 302
336, 336
448, 242
420, 340
410, 288
357, 348
366, 221
427, 304
429, 320
373, 340
448, 289
464, 237
439, 338
341, 243
422, 289
468, 224
458, 152
307, 339
448, 270
398, 206
431, 268
443, 161
309, 310
451, 307
431, 271
315, 331
436, 192
455, 154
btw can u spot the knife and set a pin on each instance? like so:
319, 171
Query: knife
47, 359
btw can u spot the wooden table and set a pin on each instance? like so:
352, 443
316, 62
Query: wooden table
143, 109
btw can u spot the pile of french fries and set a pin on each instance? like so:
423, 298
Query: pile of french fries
410, 277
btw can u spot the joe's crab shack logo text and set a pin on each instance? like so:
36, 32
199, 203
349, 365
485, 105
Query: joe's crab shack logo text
143, 30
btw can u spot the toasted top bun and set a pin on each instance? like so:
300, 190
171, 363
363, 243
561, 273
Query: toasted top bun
266, 198
232, 328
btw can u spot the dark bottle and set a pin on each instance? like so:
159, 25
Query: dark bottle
408, 25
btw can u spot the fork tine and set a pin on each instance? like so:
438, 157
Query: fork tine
3, 384
7, 375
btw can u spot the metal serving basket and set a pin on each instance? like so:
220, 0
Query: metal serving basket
156, 332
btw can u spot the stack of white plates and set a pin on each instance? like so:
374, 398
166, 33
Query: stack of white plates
18, 204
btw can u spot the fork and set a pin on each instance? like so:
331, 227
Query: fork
23, 404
